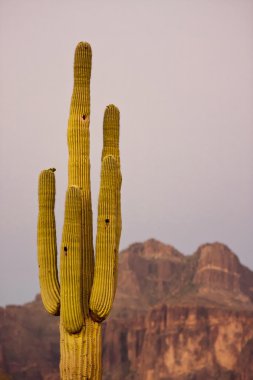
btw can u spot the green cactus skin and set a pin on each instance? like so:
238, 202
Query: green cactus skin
85, 295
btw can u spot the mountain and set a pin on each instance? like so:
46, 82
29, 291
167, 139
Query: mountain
175, 317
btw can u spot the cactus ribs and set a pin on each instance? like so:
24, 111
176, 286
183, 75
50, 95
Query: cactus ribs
84, 295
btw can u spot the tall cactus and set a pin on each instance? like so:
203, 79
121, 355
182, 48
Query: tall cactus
84, 295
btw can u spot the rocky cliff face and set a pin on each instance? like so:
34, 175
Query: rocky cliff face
181, 343
175, 317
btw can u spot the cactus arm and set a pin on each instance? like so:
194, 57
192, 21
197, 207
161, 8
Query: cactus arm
111, 132
79, 160
111, 147
47, 247
103, 286
71, 263
79, 120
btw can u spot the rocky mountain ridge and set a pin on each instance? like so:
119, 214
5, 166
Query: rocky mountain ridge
175, 317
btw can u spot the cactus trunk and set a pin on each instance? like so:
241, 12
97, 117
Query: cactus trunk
81, 353
84, 295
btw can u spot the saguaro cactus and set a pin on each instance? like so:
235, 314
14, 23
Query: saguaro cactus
84, 295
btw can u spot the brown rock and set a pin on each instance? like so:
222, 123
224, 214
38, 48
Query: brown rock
218, 268
175, 317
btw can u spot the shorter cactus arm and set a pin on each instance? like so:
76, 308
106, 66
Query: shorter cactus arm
71, 263
47, 247
111, 147
102, 294
111, 132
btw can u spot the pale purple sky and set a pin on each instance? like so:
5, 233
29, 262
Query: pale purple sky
181, 72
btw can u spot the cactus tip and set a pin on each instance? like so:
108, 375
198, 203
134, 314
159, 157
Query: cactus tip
83, 46
112, 108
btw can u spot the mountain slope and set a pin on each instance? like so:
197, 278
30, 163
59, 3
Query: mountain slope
175, 317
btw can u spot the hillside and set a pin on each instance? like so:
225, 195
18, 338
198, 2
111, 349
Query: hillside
175, 317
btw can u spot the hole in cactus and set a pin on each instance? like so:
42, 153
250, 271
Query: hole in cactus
84, 117
65, 250
107, 221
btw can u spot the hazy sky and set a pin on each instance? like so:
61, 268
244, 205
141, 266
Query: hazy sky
181, 72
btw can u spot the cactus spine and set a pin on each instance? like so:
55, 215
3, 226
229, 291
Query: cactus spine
84, 296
